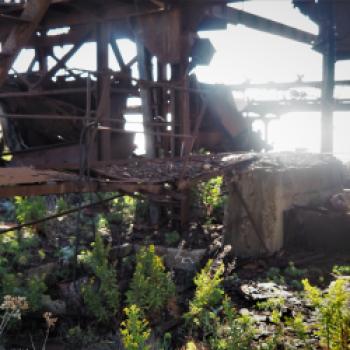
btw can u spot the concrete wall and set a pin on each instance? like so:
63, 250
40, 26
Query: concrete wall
276, 183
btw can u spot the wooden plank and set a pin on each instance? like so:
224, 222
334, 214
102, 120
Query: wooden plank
33, 12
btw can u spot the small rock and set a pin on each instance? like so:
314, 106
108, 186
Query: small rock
57, 307
121, 251
263, 291
244, 312
42, 270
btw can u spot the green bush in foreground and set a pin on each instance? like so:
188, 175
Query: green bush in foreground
134, 329
100, 293
333, 313
208, 294
151, 286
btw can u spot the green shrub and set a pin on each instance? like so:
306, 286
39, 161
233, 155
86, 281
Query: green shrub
300, 329
15, 251
61, 205
172, 238
342, 270
78, 338
151, 286
100, 293
123, 209
333, 313
34, 290
134, 330
275, 275
234, 332
208, 294
30, 208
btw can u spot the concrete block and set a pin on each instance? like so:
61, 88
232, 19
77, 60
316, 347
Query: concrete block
277, 182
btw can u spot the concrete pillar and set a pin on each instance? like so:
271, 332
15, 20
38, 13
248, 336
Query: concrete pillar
269, 190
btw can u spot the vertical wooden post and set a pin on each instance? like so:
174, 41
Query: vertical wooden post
329, 59
104, 89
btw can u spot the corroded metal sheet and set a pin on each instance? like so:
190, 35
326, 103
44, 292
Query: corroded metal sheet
172, 170
26, 175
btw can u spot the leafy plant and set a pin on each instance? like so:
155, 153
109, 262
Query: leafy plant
172, 238
208, 197
123, 210
34, 290
211, 193
333, 323
100, 293
15, 251
151, 286
300, 328
293, 272
61, 205
342, 270
274, 274
30, 208
208, 294
134, 330
275, 305
271, 304
79, 338
235, 332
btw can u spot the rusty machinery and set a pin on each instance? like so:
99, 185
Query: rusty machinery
44, 115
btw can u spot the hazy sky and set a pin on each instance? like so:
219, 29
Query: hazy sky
246, 54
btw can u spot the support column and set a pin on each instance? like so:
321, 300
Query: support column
103, 90
41, 54
328, 67
145, 72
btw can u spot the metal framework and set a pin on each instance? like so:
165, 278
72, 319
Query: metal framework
75, 121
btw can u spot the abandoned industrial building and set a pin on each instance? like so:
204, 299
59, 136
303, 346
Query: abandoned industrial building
175, 174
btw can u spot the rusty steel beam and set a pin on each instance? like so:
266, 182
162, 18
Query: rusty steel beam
284, 86
117, 53
287, 106
61, 63
77, 187
234, 16
114, 12
33, 12
104, 89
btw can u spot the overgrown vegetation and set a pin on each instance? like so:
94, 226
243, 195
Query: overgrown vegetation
16, 250
135, 330
100, 293
30, 208
205, 314
151, 286
208, 295
209, 198
333, 313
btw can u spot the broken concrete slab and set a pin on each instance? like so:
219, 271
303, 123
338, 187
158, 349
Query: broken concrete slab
264, 291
